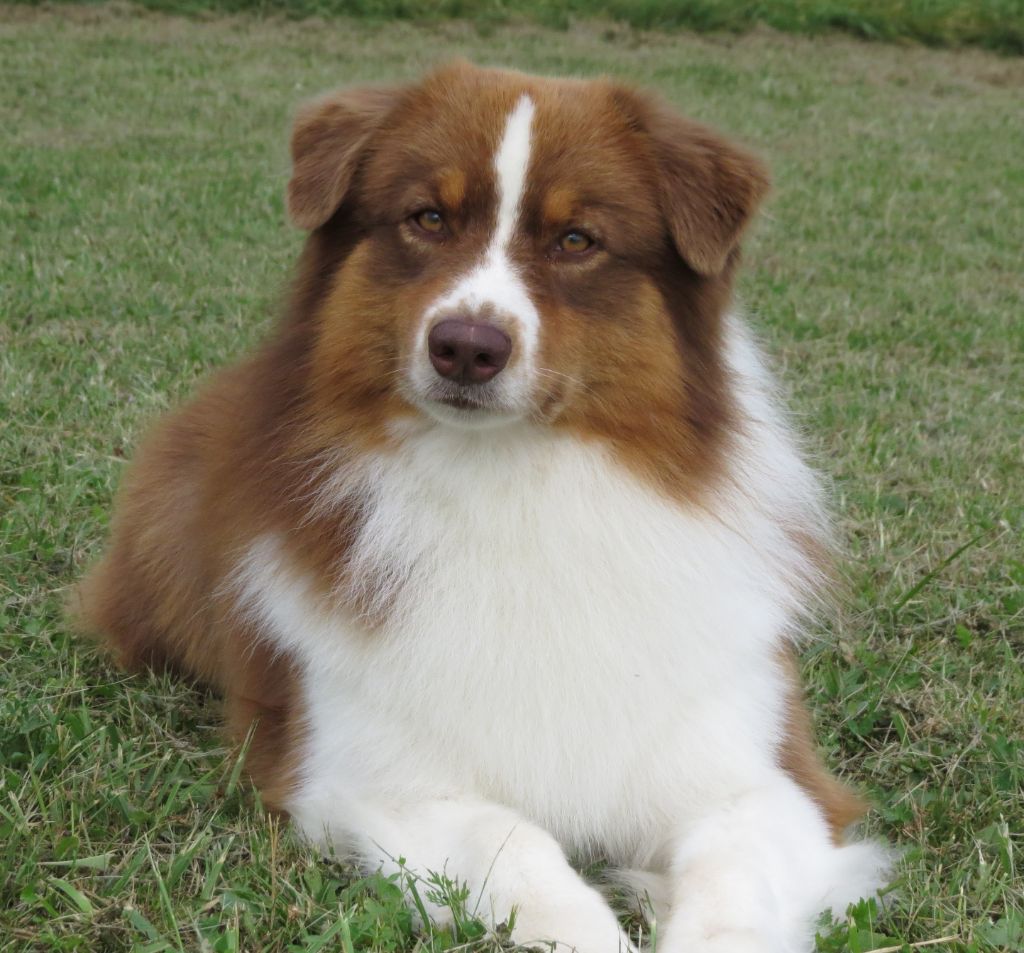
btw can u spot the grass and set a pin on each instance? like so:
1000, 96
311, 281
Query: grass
995, 24
144, 243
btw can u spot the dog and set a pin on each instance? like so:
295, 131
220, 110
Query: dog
498, 548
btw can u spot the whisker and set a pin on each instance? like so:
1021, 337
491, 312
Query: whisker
559, 375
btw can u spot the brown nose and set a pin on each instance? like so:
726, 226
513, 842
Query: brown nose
468, 352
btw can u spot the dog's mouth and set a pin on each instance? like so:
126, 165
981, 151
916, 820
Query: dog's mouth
471, 397
466, 405
462, 402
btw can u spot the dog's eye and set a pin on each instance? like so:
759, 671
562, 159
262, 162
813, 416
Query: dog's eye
430, 220
575, 242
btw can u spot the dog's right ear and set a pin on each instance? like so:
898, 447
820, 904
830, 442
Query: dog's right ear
710, 187
328, 139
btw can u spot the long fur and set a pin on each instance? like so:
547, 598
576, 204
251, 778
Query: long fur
492, 628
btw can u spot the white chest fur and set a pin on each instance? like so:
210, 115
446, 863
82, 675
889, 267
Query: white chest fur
559, 638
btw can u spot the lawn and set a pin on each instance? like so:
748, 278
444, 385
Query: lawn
993, 24
141, 175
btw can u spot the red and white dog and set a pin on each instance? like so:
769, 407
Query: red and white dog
501, 538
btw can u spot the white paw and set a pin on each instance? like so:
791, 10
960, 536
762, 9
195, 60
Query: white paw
595, 931
725, 941
769, 936
734, 941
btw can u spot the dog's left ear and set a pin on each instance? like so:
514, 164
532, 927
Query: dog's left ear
329, 139
710, 187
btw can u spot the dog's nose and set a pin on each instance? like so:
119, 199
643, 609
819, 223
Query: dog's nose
466, 351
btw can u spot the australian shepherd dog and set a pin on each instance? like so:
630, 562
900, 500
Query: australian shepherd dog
499, 546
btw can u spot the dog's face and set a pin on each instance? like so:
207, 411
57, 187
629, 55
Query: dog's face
520, 248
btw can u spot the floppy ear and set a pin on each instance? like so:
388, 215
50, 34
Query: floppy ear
327, 142
710, 187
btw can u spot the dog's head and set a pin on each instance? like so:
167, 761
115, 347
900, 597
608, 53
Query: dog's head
520, 248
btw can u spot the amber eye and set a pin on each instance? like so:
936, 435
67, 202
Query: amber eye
575, 242
430, 220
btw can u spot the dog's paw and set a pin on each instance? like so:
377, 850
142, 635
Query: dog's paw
730, 941
595, 931
733, 941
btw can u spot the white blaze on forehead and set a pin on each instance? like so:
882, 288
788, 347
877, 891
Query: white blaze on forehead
510, 164
494, 284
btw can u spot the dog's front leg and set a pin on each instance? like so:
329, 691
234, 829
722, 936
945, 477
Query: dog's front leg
752, 874
507, 863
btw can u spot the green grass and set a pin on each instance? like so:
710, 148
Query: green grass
144, 243
995, 24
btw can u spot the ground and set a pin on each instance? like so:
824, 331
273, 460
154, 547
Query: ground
144, 243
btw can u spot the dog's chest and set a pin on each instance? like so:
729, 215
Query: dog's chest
557, 634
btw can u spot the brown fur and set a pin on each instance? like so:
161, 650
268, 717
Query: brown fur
799, 756
632, 332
